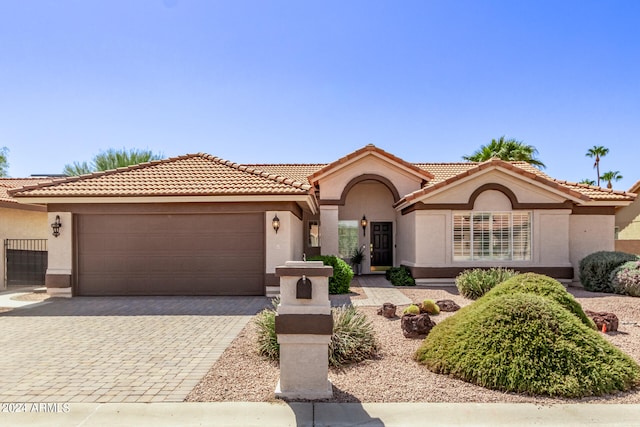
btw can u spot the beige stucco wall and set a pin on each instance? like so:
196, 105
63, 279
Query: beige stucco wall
61, 247
406, 238
331, 187
588, 234
329, 229
628, 221
524, 191
551, 237
20, 224
286, 245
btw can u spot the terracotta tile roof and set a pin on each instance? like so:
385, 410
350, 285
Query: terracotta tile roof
189, 175
635, 188
299, 172
447, 173
7, 184
370, 148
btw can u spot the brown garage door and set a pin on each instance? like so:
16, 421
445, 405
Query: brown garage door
160, 254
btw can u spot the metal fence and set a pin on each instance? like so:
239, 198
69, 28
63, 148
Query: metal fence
25, 262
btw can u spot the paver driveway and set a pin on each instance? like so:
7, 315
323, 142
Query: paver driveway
116, 349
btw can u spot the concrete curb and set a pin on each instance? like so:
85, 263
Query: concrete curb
321, 414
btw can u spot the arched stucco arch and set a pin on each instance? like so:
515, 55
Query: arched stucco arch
369, 177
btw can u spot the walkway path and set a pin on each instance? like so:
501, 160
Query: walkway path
378, 291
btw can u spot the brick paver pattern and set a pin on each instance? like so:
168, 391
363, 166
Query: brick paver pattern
116, 349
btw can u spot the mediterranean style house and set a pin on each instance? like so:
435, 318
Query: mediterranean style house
200, 225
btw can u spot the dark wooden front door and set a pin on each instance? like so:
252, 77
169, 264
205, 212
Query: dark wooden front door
381, 244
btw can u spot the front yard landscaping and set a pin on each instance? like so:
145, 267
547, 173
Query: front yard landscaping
241, 374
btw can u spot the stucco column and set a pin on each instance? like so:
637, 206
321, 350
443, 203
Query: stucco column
329, 229
60, 257
285, 245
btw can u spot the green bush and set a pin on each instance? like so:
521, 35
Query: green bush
430, 307
412, 309
544, 286
596, 269
353, 338
530, 344
474, 283
342, 273
265, 322
400, 276
625, 279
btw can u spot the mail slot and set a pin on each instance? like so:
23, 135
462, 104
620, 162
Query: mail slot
303, 288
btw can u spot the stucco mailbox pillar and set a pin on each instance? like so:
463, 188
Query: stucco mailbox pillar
304, 326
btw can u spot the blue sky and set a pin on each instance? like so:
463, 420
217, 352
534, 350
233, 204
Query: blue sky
311, 81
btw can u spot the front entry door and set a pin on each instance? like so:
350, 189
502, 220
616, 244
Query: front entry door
381, 244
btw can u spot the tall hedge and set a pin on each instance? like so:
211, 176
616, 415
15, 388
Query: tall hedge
596, 269
342, 273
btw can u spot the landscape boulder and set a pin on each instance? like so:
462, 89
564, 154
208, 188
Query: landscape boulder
388, 310
603, 318
447, 305
416, 325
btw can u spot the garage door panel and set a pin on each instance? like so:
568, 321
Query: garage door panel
213, 254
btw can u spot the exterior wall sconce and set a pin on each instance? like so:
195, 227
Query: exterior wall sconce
363, 223
56, 226
275, 223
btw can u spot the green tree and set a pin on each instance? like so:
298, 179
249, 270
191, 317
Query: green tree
111, 159
596, 152
611, 176
506, 149
4, 164
587, 181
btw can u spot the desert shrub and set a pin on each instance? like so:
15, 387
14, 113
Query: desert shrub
430, 307
265, 323
342, 273
412, 309
625, 279
352, 340
526, 343
544, 286
596, 269
400, 276
474, 283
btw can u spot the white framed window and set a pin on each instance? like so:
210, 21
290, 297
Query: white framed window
492, 236
347, 238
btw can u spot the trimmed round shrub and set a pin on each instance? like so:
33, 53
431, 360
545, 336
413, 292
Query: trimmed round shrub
529, 344
400, 276
544, 286
430, 307
596, 269
352, 340
474, 283
625, 279
342, 273
412, 309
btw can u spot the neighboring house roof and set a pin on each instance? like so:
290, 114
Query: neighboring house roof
7, 184
189, 175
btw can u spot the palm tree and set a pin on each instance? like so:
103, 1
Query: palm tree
611, 176
4, 164
587, 181
597, 151
112, 159
506, 149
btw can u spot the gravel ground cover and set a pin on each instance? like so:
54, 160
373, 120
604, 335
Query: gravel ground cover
242, 375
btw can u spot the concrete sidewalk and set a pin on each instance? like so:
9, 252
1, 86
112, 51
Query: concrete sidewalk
320, 414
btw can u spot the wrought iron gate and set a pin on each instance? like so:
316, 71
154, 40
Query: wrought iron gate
25, 262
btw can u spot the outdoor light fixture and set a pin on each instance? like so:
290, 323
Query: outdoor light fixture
275, 223
56, 226
363, 223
